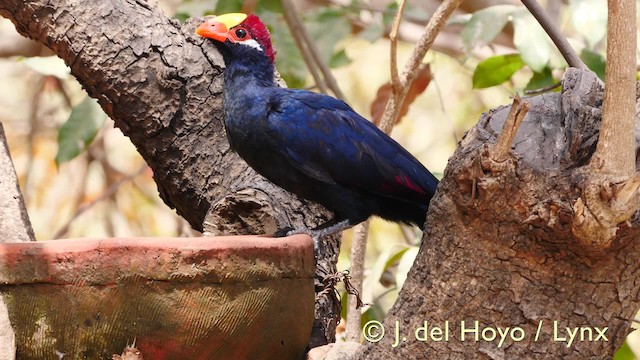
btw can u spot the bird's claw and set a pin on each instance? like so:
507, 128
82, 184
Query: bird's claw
283, 232
314, 234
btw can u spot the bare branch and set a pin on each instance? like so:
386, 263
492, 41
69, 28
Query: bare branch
610, 194
310, 51
555, 34
296, 29
358, 251
615, 152
105, 195
393, 48
435, 25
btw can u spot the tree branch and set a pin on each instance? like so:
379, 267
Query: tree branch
358, 252
361, 231
306, 44
435, 25
555, 34
615, 153
393, 48
110, 191
296, 30
610, 195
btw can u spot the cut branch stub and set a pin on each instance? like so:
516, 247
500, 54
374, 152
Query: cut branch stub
540, 176
503, 144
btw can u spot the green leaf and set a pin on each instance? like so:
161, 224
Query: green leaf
624, 353
326, 28
395, 257
371, 283
389, 15
372, 32
531, 40
496, 70
269, 5
594, 61
79, 130
189, 8
589, 18
541, 79
181, 16
339, 58
288, 58
228, 6
485, 25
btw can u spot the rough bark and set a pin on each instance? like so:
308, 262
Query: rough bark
500, 249
15, 226
611, 195
617, 133
162, 86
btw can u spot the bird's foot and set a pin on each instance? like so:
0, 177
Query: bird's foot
314, 234
282, 232
317, 233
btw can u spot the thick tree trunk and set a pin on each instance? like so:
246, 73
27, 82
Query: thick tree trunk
500, 248
162, 86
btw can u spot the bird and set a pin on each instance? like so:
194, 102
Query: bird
312, 144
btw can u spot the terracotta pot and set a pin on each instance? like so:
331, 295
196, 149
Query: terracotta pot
241, 297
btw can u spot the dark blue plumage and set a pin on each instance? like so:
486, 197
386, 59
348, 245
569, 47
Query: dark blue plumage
315, 145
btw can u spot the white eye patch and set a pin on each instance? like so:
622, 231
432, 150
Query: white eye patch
252, 43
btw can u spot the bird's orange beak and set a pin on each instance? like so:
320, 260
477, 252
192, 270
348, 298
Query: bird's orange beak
217, 28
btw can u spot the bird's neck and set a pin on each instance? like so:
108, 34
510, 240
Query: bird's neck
247, 68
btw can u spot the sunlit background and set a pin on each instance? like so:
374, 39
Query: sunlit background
107, 190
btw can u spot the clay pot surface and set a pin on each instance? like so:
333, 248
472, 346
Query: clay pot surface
237, 297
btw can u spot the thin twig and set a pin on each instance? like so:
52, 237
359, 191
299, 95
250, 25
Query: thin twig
391, 113
324, 68
433, 28
393, 47
303, 35
361, 231
384, 293
418, 20
296, 29
105, 195
358, 251
543, 89
555, 34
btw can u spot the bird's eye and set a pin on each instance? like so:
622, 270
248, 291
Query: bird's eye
241, 33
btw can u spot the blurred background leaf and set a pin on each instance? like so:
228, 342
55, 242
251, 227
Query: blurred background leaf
79, 130
496, 70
